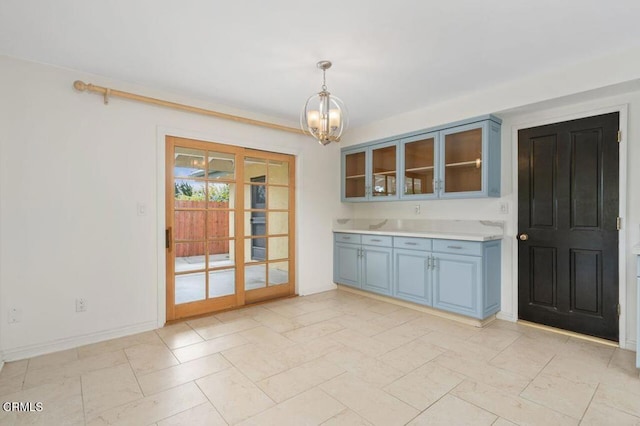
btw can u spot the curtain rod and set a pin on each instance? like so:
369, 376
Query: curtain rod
107, 93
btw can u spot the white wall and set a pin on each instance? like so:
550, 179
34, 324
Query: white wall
72, 171
560, 94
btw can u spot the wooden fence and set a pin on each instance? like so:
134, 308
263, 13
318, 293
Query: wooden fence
191, 226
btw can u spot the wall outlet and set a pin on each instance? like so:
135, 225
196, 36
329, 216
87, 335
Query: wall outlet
504, 207
416, 209
142, 209
81, 305
15, 315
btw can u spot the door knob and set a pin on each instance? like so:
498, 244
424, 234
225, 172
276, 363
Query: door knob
523, 237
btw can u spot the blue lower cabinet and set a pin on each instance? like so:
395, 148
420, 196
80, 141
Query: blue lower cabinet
462, 277
457, 284
346, 264
376, 269
412, 277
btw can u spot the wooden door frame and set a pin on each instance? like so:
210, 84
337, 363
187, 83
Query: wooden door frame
161, 176
555, 116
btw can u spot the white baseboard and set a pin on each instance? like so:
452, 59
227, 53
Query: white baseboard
319, 289
506, 316
74, 342
631, 345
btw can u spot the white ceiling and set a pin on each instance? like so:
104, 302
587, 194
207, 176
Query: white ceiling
258, 55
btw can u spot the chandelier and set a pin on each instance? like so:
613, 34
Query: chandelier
324, 116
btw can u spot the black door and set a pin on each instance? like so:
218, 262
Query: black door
258, 219
567, 220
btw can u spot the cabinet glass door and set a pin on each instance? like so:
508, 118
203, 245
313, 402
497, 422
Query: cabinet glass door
463, 160
355, 175
419, 161
384, 171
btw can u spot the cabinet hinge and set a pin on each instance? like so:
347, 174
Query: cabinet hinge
619, 136
618, 223
618, 310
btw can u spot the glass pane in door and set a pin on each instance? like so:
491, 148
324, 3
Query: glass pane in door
222, 282
189, 162
221, 166
278, 172
190, 287
463, 161
418, 166
278, 273
354, 185
384, 171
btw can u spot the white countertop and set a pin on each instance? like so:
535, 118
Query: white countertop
468, 230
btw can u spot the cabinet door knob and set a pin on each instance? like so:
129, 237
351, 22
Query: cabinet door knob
523, 237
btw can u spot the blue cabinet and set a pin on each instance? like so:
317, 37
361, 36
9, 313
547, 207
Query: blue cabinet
346, 264
458, 160
376, 269
370, 173
363, 261
456, 276
457, 284
412, 280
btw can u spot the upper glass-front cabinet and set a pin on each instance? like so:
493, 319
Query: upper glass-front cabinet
355, 175
419, 161
384, 172
370, 173
460, 160
470, 161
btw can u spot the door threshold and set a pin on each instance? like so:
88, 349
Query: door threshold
569, 333
234, 308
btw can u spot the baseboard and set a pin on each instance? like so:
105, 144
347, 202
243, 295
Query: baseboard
74, 342
454, 317
631, 345
314, 290
505, 316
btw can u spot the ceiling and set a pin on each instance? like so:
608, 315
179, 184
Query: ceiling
257, 55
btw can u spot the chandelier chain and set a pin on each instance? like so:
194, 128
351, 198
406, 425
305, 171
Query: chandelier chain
324, 80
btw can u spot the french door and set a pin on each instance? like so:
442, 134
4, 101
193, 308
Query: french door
230, 226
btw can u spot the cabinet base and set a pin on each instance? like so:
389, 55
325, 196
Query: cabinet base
432, 311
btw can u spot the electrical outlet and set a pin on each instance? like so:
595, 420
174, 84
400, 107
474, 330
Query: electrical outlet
416, 209
81, 305
504, 207
142, 209
15, 315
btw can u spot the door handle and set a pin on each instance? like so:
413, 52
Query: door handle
167, 235
523, 237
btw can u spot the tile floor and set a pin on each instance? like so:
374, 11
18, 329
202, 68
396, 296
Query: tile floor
333, 358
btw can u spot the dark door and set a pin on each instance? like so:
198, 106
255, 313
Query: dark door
258, 219
567, 219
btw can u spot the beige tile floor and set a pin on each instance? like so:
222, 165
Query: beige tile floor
333, 358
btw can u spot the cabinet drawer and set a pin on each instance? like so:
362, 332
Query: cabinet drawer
347, 238
377, 240
412, 243
473, 248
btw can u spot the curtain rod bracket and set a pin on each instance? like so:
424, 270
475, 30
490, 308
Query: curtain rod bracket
107, 93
